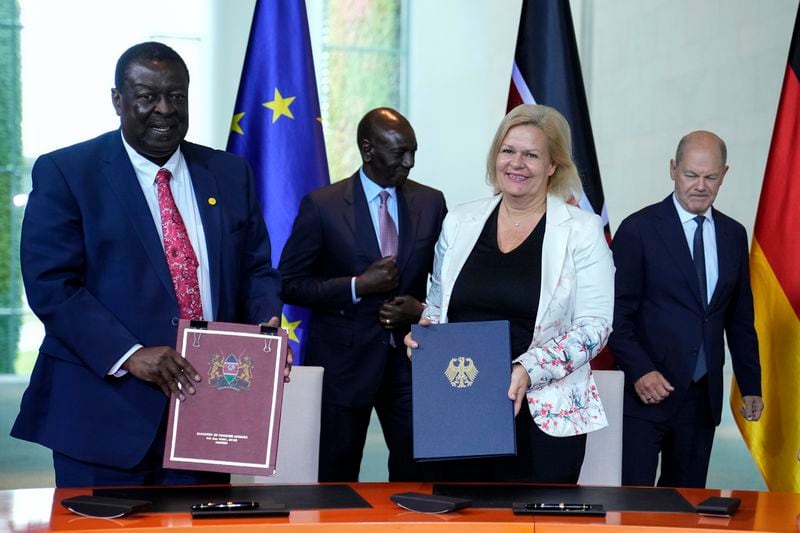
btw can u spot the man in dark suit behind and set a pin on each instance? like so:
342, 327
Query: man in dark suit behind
682, 280
98, 221
364, 292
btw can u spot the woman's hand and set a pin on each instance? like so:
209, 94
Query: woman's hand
520, 383
411, 343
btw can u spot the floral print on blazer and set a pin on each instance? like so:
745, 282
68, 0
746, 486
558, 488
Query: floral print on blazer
575, 311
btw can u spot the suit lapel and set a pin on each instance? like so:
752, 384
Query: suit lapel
205, 188
121, 177
359, 221
463, 240
673, 238
409, 217
554, 248
727, 260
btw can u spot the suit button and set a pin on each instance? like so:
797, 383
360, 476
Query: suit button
341, 311
174, 321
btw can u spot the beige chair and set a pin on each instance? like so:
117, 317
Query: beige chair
602, 464
298, 442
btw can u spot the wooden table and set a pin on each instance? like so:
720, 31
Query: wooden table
34, 510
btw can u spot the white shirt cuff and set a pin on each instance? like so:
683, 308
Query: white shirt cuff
356, 299
117, 370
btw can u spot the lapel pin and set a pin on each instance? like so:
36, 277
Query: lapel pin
212, 201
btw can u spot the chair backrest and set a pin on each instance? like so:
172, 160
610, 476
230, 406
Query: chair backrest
298, 441
602, 464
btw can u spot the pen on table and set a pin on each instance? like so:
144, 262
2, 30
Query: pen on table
559, 506
225, 505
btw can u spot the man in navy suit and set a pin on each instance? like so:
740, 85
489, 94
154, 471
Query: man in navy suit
365, 294
96, 274
682, 281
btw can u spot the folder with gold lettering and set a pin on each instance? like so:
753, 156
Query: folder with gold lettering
460, 377
231, 424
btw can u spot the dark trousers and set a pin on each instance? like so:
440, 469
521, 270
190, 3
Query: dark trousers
541, 458
71, 472
343, 429
684, 443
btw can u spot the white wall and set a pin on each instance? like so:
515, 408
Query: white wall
460, 58
657, 69
69, 52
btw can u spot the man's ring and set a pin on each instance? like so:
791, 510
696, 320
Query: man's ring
648, 398
386, 320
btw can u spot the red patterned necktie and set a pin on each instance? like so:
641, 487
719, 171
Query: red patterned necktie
181, 258
387, 228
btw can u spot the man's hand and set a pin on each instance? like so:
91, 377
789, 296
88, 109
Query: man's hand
163, 366
520, 383
275, 322
411, 343
652, 388
751, 407
399, 312
380, 276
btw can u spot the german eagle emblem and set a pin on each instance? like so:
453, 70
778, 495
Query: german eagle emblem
461, 372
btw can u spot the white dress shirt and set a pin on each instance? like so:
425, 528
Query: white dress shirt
372, 192
709, 243
183, 193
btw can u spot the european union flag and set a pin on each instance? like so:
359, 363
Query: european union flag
277, 127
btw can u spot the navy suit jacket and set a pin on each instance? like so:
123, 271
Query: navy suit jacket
333, 239
95, 274
659, 320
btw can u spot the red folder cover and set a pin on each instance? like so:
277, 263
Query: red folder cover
231, 424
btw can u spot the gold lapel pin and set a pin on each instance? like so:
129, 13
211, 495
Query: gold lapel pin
212, 201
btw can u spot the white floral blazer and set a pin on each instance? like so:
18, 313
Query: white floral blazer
575, 311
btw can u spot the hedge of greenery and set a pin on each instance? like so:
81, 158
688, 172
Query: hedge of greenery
10, 182
363, 64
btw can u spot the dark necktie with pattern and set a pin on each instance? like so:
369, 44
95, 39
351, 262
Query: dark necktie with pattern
181, 258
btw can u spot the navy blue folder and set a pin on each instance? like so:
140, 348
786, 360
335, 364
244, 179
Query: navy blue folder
460, 378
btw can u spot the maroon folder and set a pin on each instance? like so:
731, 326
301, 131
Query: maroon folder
231, 424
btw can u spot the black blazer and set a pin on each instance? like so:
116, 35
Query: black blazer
659, 320
333, 239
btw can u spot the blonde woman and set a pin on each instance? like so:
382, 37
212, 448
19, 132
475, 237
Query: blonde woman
527, 256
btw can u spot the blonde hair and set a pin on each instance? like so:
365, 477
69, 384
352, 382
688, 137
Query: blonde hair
565, 182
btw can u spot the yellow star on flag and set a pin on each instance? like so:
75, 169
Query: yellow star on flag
290, 327
235, 127
280, 106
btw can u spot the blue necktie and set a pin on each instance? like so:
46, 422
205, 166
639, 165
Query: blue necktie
699, 253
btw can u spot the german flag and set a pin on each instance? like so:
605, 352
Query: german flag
775, 277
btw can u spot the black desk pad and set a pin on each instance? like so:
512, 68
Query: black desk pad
611, 498
295, 497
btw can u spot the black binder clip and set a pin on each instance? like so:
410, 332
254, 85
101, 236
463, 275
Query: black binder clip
268, 330
198, 324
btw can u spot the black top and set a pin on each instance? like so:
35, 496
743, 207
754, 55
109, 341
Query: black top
494, 285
